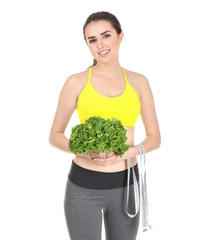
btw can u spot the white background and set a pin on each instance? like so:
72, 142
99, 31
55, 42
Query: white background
41, 44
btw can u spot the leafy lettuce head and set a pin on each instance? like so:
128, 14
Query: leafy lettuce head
98, 135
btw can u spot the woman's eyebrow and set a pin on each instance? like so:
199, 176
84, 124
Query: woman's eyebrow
100, 34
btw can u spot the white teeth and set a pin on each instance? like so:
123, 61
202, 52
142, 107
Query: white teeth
104, 52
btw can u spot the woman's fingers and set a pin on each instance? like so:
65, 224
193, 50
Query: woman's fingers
98, 154
93, 154
88, 156
102, 155
109, 154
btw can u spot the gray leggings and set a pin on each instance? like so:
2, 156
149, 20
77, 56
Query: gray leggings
83, 213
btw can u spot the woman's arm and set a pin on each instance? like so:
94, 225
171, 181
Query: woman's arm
149, 118
59, 140
66, 106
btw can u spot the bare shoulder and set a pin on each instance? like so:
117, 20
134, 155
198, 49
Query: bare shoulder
138, 81
74, 83
136, 76
76, 78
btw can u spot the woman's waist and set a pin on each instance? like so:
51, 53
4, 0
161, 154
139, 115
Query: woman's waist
92, 179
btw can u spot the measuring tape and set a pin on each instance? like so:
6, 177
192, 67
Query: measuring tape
143, 187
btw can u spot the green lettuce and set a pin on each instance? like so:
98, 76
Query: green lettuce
98, 135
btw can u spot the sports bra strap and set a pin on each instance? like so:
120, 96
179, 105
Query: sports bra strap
125, 75
89, 75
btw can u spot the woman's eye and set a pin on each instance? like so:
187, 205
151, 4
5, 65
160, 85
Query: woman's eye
107, 35
93, 40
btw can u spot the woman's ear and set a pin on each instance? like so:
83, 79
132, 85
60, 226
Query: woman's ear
121, 36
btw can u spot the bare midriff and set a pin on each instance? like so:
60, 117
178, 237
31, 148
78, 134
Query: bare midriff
115, 167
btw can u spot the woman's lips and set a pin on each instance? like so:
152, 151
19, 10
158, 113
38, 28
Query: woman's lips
104, 53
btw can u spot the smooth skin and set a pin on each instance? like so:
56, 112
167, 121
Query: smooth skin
107, 79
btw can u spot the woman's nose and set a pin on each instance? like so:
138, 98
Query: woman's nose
99, 44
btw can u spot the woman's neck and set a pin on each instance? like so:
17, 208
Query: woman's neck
109, 70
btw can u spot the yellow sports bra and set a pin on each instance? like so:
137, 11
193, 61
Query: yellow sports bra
125, 107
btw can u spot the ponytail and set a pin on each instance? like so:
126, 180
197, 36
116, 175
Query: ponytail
94, 63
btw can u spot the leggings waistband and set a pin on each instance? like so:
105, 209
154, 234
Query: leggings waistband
100, 180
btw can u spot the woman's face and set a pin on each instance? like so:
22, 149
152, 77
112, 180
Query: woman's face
103, 41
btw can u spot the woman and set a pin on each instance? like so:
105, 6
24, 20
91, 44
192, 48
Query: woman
98, 181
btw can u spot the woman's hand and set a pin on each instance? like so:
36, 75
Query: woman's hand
106, 159
113, 157
88, 156
97, 157
93, 155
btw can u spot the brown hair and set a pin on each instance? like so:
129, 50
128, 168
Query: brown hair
112, 19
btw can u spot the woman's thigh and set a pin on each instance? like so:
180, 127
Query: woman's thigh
83, 212
118, 225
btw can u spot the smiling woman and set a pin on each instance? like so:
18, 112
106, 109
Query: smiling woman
103, 43
99, 181
110, 22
